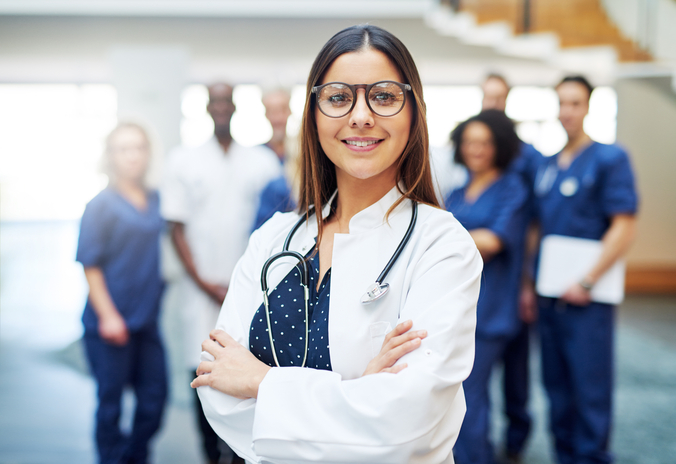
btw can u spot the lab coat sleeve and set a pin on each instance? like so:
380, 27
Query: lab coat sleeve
232, 418
411, 417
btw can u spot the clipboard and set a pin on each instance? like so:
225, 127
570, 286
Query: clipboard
566, 260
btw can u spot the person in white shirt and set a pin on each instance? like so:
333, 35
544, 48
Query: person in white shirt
209, 197
326, 365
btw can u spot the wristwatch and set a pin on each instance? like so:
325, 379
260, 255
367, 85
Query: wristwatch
584, 283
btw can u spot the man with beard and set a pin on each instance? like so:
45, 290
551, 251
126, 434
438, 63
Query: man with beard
209, 199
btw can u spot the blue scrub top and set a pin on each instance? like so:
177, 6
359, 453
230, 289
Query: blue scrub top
581, 200
276, 196
501, 209
526, 165
287, 318
124, 243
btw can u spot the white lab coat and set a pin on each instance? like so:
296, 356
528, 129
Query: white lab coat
338, 416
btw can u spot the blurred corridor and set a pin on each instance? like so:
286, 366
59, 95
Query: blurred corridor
71, 70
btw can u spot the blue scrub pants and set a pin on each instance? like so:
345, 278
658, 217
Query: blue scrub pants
577, 369
516, 386
474, 445
141, 364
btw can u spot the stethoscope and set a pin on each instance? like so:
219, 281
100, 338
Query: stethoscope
569, 186
375, 292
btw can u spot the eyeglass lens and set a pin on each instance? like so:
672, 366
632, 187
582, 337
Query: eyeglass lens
384, 99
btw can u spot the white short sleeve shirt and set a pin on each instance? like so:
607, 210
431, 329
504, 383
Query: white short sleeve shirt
215, 194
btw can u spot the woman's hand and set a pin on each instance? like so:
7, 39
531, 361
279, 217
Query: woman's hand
113, 329
234, 370
397, 343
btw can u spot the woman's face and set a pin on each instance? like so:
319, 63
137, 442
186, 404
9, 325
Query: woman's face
130, 154
478, 147
385, 138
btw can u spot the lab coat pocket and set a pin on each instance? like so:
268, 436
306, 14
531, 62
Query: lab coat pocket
378, 330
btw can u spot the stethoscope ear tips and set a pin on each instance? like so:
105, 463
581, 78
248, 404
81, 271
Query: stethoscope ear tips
375, 292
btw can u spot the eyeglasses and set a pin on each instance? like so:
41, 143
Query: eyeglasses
384, 98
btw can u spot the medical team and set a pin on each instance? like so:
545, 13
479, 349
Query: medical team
510, 195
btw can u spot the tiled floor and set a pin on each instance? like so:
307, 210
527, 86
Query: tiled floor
47, 397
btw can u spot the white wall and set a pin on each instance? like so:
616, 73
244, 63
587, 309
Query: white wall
645, 125
650, 23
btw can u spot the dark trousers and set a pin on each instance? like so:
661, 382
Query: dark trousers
516, 383
212, 444
141, 364
577, 370
474, 445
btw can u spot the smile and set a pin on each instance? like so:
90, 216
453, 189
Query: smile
361, 143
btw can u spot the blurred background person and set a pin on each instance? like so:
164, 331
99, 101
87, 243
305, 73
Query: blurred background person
586, 191
119, 249
278, 193
491, 207
210, 195
277, 112
516, 378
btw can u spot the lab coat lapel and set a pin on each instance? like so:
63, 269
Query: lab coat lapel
302, 242
358, 259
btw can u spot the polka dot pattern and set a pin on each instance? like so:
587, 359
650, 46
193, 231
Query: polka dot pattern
287, 317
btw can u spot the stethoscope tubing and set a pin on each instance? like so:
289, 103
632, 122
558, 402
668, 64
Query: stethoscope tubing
402, 244
302, 266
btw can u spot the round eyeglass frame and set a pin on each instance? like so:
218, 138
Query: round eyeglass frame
367, 88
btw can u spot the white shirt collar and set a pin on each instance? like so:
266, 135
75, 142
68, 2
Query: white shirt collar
372, 216
376, 215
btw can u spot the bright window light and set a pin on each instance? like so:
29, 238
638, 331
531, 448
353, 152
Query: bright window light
534, 109
196, 124
601, 122
532, 104
447, 106
51, 142
249, 126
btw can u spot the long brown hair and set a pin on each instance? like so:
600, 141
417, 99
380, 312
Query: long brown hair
317, 172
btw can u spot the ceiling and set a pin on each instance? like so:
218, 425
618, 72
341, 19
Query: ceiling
241, 41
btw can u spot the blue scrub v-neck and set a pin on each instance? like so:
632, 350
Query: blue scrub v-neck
287, 318
603, 187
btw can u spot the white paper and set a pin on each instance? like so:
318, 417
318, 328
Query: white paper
566, 260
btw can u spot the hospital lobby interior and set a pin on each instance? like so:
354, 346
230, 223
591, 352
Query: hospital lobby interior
70, 70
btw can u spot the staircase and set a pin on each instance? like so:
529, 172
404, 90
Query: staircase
577, 23
574, 36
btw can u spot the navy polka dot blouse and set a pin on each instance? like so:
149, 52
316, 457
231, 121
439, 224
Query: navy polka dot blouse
287, 318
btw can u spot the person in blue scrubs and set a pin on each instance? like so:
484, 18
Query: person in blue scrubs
491, 206
586, 191
277, 195
119, 249
515, 358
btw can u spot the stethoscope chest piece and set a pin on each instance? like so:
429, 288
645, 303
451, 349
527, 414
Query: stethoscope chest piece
375, 292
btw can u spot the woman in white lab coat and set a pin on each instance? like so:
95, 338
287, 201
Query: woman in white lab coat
372, 383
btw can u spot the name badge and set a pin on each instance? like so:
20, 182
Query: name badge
569, 186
